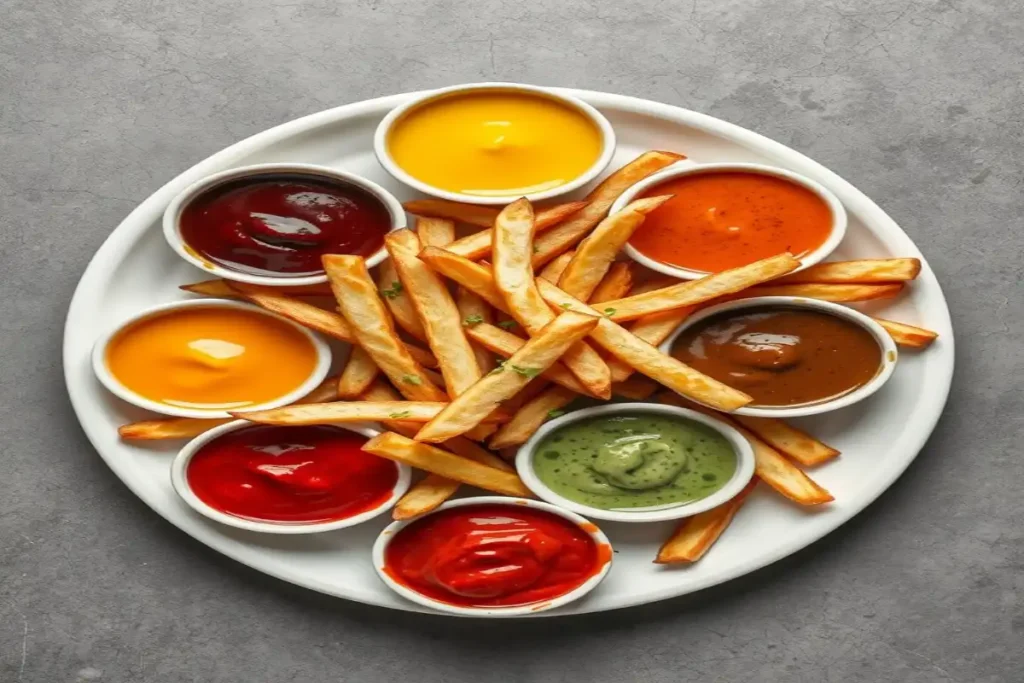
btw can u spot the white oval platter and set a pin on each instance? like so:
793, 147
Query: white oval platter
878, 438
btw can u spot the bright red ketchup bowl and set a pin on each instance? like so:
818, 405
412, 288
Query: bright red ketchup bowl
492, 556
286, 480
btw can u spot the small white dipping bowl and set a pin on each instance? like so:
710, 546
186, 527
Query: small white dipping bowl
740, 478
888, 347
687, 168
380, 142
179, 480
172, 217
385, 537
114, 385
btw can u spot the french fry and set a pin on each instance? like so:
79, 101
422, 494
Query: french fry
483, 216
341, 412
432, 459
597, 251
475, 310
828, 292
397, 300
538, 354
858, 272
478, 245
695, 535
221, 288
635, 388
357, 375
649, 360
788, 440
425, 495
632, 351
437, 311
554, 270
771, 466
530, 417
506, 344
435, 232
373, 328
317, 319
707, 288
187, 427
513, 276
653, 329
599, 201
908, 335
614, 285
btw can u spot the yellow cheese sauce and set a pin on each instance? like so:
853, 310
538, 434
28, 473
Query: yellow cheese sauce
495, 143
211, 358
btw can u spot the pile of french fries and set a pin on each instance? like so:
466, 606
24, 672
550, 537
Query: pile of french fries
463, 348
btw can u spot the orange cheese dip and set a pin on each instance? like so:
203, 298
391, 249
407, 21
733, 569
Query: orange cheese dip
721, 220
211, 358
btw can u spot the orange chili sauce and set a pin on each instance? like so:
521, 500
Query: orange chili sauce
721, 220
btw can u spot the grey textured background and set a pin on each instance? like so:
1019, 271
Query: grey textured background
917, 103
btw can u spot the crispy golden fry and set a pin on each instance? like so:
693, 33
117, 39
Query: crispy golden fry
390, 287
339, 412
614, 285
771, 466
695, 535
554, 270
317, 319
373, 328
635, 388
483, 216
558, 239
475, 310
649, 360
633, 351
908, 335
432, 459
525, 395
513, 276
506, 344
530, 417
789, 440
220, 287
707, 288
435, 232
537, 355
597, 251
437, 311
187, 427
478, 245
858, 272
425, 495
835, 293
358, 374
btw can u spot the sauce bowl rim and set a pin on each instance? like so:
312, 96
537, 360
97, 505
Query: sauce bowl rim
741, 477
171, 221
384, 158
385, 537
687, 167
179, 481
888, 348
116, 387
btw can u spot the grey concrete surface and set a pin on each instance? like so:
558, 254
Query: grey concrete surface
916, 102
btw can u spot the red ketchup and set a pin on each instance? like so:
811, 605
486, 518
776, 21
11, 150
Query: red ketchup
493, 556
291, 474
282, 225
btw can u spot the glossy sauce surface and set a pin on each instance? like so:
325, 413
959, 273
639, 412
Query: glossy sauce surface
493, 556
495, 143
211, 358
721, 220
282, 225
291, 474
782, 356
